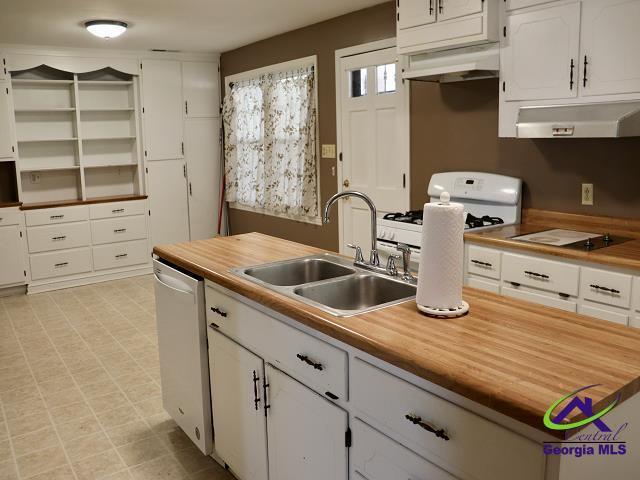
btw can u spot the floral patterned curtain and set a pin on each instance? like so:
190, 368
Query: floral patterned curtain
270, 143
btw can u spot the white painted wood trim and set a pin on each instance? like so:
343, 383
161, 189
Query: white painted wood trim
87, 279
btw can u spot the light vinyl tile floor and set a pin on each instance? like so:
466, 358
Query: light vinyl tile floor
80, 390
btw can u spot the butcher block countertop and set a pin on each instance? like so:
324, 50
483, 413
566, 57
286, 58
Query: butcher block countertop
514, 357
625, 255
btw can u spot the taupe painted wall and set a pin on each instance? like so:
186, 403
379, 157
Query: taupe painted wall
453, 127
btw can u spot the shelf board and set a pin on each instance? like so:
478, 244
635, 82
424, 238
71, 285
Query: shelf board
27, 81
90, 110
44, 140
108, 83
111, 165
88, 201
44, 110
48, 169
7, 160
10, 204
94, 139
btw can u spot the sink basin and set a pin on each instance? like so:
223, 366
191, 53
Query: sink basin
298, 272
359, 293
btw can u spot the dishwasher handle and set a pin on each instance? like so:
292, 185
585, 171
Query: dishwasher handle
175, 289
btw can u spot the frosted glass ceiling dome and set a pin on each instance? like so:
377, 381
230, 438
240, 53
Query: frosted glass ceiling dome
106, 28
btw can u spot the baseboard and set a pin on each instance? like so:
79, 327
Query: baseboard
79, 282
11, 291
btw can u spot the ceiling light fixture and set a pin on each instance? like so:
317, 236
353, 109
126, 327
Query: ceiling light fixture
106, 28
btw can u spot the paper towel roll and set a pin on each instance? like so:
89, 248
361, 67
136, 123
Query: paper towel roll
440, 275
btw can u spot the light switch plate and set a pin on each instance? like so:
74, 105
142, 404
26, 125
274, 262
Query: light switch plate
328, 151
587, 194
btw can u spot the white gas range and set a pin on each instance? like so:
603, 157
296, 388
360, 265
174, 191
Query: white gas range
490, 200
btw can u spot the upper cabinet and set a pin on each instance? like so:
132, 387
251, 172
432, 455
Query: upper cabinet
540, 60
610, 38
3, 67
201, 89
163, 107
6, 142
427, 25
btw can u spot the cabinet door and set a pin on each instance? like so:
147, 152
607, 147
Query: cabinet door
3, 67
202, 152
306, 432
201, 89
6, 142
610, 38
448, 9
11, 255
239, 421
168, 202
414, 13
541, 54
162, 95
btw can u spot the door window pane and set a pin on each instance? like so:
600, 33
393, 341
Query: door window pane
358, 82
386, 78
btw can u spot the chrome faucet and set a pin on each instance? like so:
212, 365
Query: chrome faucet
407, 276
374, 260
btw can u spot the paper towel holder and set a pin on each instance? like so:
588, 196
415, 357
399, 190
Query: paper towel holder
459, 311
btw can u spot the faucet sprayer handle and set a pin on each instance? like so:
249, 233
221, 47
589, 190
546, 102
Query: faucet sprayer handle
391, 264
359, 257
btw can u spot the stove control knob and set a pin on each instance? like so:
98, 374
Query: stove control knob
383, 234
392, 236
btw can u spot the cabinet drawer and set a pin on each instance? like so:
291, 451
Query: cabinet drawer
636, 293
604, 314
566, 305
9, 217
119, 209
317, 364
484, 262
50, 216
47, 238
606, 287
483, 284
377, 457
635, 321
119, 255
437, 35
124, 229
516, 4
543, 274
60, 264
399, 406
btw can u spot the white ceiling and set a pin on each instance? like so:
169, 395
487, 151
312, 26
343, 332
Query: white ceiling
187, 25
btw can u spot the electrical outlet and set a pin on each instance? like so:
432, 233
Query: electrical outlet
328, 151
587, 194
35, 177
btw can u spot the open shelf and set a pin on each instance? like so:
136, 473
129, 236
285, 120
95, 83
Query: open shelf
44, 110
107, 83
47, 169
96, 139
34, 81
51, 185
43, 140
112, 165
106, 110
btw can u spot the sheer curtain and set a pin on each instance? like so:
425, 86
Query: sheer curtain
270, 144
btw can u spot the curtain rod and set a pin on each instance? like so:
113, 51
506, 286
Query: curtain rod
311, 67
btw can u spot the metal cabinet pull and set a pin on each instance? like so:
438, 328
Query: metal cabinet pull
59, 265
56, 239
440, 7
214, 326
122, 255
605, 289
118, 210
482, 264
431, 7
223, 314
256, 399
537, 275
308, 361
438, 432
584, 76
571, 82
265, 386
120, 230
56, 217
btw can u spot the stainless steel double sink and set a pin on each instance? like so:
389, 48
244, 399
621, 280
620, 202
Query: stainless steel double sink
330, 283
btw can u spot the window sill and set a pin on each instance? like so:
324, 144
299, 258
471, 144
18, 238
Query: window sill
262, 211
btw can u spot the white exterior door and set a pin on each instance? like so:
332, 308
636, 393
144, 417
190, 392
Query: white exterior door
374, 140
202, 152
201, 86
541, 58
306, 432
162, 100
610, 40
448, 9
11, 256
5, 122
414, 13
239, 421
167, 185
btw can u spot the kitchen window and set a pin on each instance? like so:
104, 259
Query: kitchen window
270, 125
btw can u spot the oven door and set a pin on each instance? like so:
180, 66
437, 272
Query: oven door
386, 248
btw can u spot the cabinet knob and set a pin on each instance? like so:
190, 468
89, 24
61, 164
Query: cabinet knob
346, 183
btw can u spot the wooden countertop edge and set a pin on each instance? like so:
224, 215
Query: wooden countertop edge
307, 316
10, 204
90, 201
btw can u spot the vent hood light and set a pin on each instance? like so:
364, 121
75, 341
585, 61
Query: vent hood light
106, 28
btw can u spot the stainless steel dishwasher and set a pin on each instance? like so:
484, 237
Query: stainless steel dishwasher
182, 341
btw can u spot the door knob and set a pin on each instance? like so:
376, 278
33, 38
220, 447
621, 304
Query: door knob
346, 183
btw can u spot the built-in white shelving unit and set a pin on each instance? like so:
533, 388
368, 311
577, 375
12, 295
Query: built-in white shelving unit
78, 135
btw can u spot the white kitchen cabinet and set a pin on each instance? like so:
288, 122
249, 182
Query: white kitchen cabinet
201, 89
636, 294
202, 153
11, 255
604, 313
239, 421
3, 66
162, 104
483, 284
414, 13
168, 202
306, 433
541, 299
516, 4
449, 9
609, 42
6, 140
541, 54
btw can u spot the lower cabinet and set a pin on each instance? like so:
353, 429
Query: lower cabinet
11, 256
256, 405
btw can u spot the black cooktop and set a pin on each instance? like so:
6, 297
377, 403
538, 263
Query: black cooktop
415, 217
